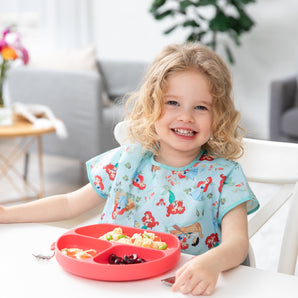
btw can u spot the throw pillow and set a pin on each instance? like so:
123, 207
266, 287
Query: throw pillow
73, 59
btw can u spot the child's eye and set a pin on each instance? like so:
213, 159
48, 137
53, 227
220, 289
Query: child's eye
202, 108
172, 103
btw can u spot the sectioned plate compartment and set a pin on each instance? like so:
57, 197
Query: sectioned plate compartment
85, 243
120, 250
158, 261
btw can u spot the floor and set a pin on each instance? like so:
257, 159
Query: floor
63, 175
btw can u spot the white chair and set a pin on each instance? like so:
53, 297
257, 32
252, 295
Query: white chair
275, 163
270, 163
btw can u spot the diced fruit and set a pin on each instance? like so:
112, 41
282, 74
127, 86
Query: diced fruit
126, 260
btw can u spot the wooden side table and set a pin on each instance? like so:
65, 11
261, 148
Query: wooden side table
25, 135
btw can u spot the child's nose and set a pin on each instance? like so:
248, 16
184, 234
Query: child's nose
186, 116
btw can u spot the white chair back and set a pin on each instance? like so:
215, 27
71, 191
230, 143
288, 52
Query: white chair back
270, 162
120, 133
275, 163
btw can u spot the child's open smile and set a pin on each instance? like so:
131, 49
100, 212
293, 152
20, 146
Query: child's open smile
186, 133
186, 123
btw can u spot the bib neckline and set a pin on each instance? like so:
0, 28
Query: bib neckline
190, 165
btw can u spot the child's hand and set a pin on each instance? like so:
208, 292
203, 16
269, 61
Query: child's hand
198, 276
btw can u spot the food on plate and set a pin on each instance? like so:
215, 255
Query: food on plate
126, 260
78, 253
145, 239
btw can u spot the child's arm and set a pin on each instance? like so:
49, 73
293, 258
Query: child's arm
199, 276
52, 208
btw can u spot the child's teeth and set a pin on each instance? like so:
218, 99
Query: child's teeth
184, 132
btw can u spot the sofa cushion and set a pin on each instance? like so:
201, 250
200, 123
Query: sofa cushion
79, 59
296, 96
289, 122
122, 77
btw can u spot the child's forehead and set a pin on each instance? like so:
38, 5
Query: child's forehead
187, 79
188, 74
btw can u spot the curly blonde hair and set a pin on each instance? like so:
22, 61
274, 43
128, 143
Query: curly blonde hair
146, 106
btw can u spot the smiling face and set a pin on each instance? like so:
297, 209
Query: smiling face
186, 122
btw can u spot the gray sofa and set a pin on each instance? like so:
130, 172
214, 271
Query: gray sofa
76, 97
284, 110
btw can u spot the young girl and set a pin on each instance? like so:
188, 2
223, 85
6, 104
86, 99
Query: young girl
177, 174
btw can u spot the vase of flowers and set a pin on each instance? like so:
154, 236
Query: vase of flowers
11, 50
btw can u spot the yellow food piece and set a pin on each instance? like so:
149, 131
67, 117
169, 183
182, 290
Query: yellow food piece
138, 239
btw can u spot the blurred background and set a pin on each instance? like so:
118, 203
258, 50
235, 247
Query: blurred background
125, 30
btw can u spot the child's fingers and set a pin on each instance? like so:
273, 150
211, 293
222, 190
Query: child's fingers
181, 280
190, 285
200, 288
209, 290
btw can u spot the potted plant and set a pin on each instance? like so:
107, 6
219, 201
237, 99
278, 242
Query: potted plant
11, 49
206, 20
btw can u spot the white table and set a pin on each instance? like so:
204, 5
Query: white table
22, 276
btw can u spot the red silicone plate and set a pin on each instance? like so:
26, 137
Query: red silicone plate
98, 267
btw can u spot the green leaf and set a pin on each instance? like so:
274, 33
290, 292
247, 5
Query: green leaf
191, 23
245, 21
201, 35
196, 36
156, 5
242, 2
160, 16
206, 2
235, 25
184, 4
229, 54
235, 37
220, 22
212, 44
168, 31
192, 37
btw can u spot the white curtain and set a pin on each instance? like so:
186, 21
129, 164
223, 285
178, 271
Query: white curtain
66, 23
60, 23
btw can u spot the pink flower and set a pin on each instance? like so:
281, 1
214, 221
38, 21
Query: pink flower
3, 44
6, 31
25, 55
12, 40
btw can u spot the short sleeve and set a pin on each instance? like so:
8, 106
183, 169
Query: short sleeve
102, 171
235, 191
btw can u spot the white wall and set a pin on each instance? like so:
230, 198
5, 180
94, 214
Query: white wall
126, 30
